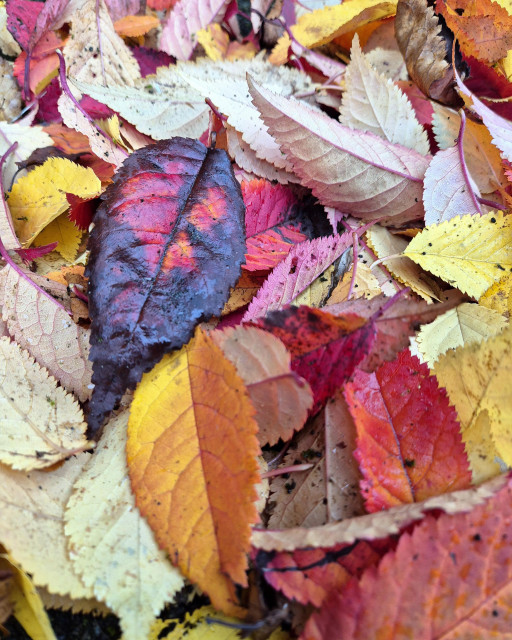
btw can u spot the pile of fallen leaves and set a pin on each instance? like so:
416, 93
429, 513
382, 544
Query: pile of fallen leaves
255, 292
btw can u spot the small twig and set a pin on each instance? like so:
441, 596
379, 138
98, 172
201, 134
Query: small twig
491, 203
291, 469
80, 294
393, 256
355, 251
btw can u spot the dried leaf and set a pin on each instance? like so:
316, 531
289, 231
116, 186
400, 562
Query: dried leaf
133, 26
354, 171
281, 397
202, 510
151, 262
469, 252
116, 554
29, 138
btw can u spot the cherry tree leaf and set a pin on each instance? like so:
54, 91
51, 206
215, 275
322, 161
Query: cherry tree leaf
29, 138
474, 589
201, 509
409, 444
167, 246
354, 171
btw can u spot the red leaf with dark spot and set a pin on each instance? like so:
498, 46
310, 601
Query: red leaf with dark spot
21, 20
409, 446
325, 349
167, 246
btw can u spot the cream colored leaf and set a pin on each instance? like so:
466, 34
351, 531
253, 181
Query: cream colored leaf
366, 285
32, 524
372, 102
478, 377
116, 553
40, 424
384, 243
29, 138
94, 51
40, 196
8, 44
374, 525
42, 327
10, 95
482, 158
75, 605
389, 62
470, 252
466, 324
281, 397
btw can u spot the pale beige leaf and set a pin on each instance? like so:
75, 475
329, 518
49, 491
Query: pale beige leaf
116, 553
389, 63
8, 44
372, 102
75, 605
40, 423
355, 171
281, 397
463, 325
366, 285
32, 524
374, 525
403, 269
482, 157
10, 96
94, 51
29, 138
42, 327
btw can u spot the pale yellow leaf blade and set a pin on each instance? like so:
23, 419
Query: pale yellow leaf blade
63, 231
468, 252
194, 627
366, 285
40, 424
42, 327
499, 296
384, 244
464, 325
372, 102
318, 291
116, 554
32, 524
39, 197
477, 378
28, 607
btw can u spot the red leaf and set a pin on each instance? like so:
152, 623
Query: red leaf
81, 211
149, 59
409, 442
21, 20
167, 245
450, 578
32, 253
325, 349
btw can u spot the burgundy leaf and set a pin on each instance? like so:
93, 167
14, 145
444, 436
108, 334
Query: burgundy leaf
167, 246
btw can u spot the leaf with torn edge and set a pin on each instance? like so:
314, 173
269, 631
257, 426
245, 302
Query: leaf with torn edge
202, 507
116, 553
43, 327
355, 171
39, 197
468, 252
40, 423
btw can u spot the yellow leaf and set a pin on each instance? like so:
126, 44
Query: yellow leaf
40, 423
63, 231
384, 243
28, 607
192, 458
499, 296
39, 197
214, 40
111, 127
477, 379
317, 292
195, 627
366, 285
323, 25
466, 324
468, 252
116, 554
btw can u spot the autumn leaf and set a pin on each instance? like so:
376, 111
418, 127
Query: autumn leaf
133, 26
195, 626
149, 262
28, 138
472, 589
409, 445
65, 233
499, 296
343, 167
469, 252
201, 510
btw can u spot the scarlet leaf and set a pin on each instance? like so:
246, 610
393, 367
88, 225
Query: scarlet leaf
452, 578
167, 245
325, 349
409, 442
21, 19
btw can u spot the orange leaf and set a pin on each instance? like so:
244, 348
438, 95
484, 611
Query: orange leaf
451, 578
192, 457
133, 26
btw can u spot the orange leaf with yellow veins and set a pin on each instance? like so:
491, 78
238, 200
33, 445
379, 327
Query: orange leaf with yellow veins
192, 458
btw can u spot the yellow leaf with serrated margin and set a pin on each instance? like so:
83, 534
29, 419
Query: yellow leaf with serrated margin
40, 424
39, 197
477, 379
466, 324
214, 40
195, 627
63, 231
468, 252
499, 296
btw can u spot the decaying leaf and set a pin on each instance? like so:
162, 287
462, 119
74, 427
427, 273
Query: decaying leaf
201, 509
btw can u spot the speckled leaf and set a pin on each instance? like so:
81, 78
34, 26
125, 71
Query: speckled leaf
167, 246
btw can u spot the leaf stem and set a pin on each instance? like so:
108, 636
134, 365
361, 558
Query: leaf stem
292, 468
355, 248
